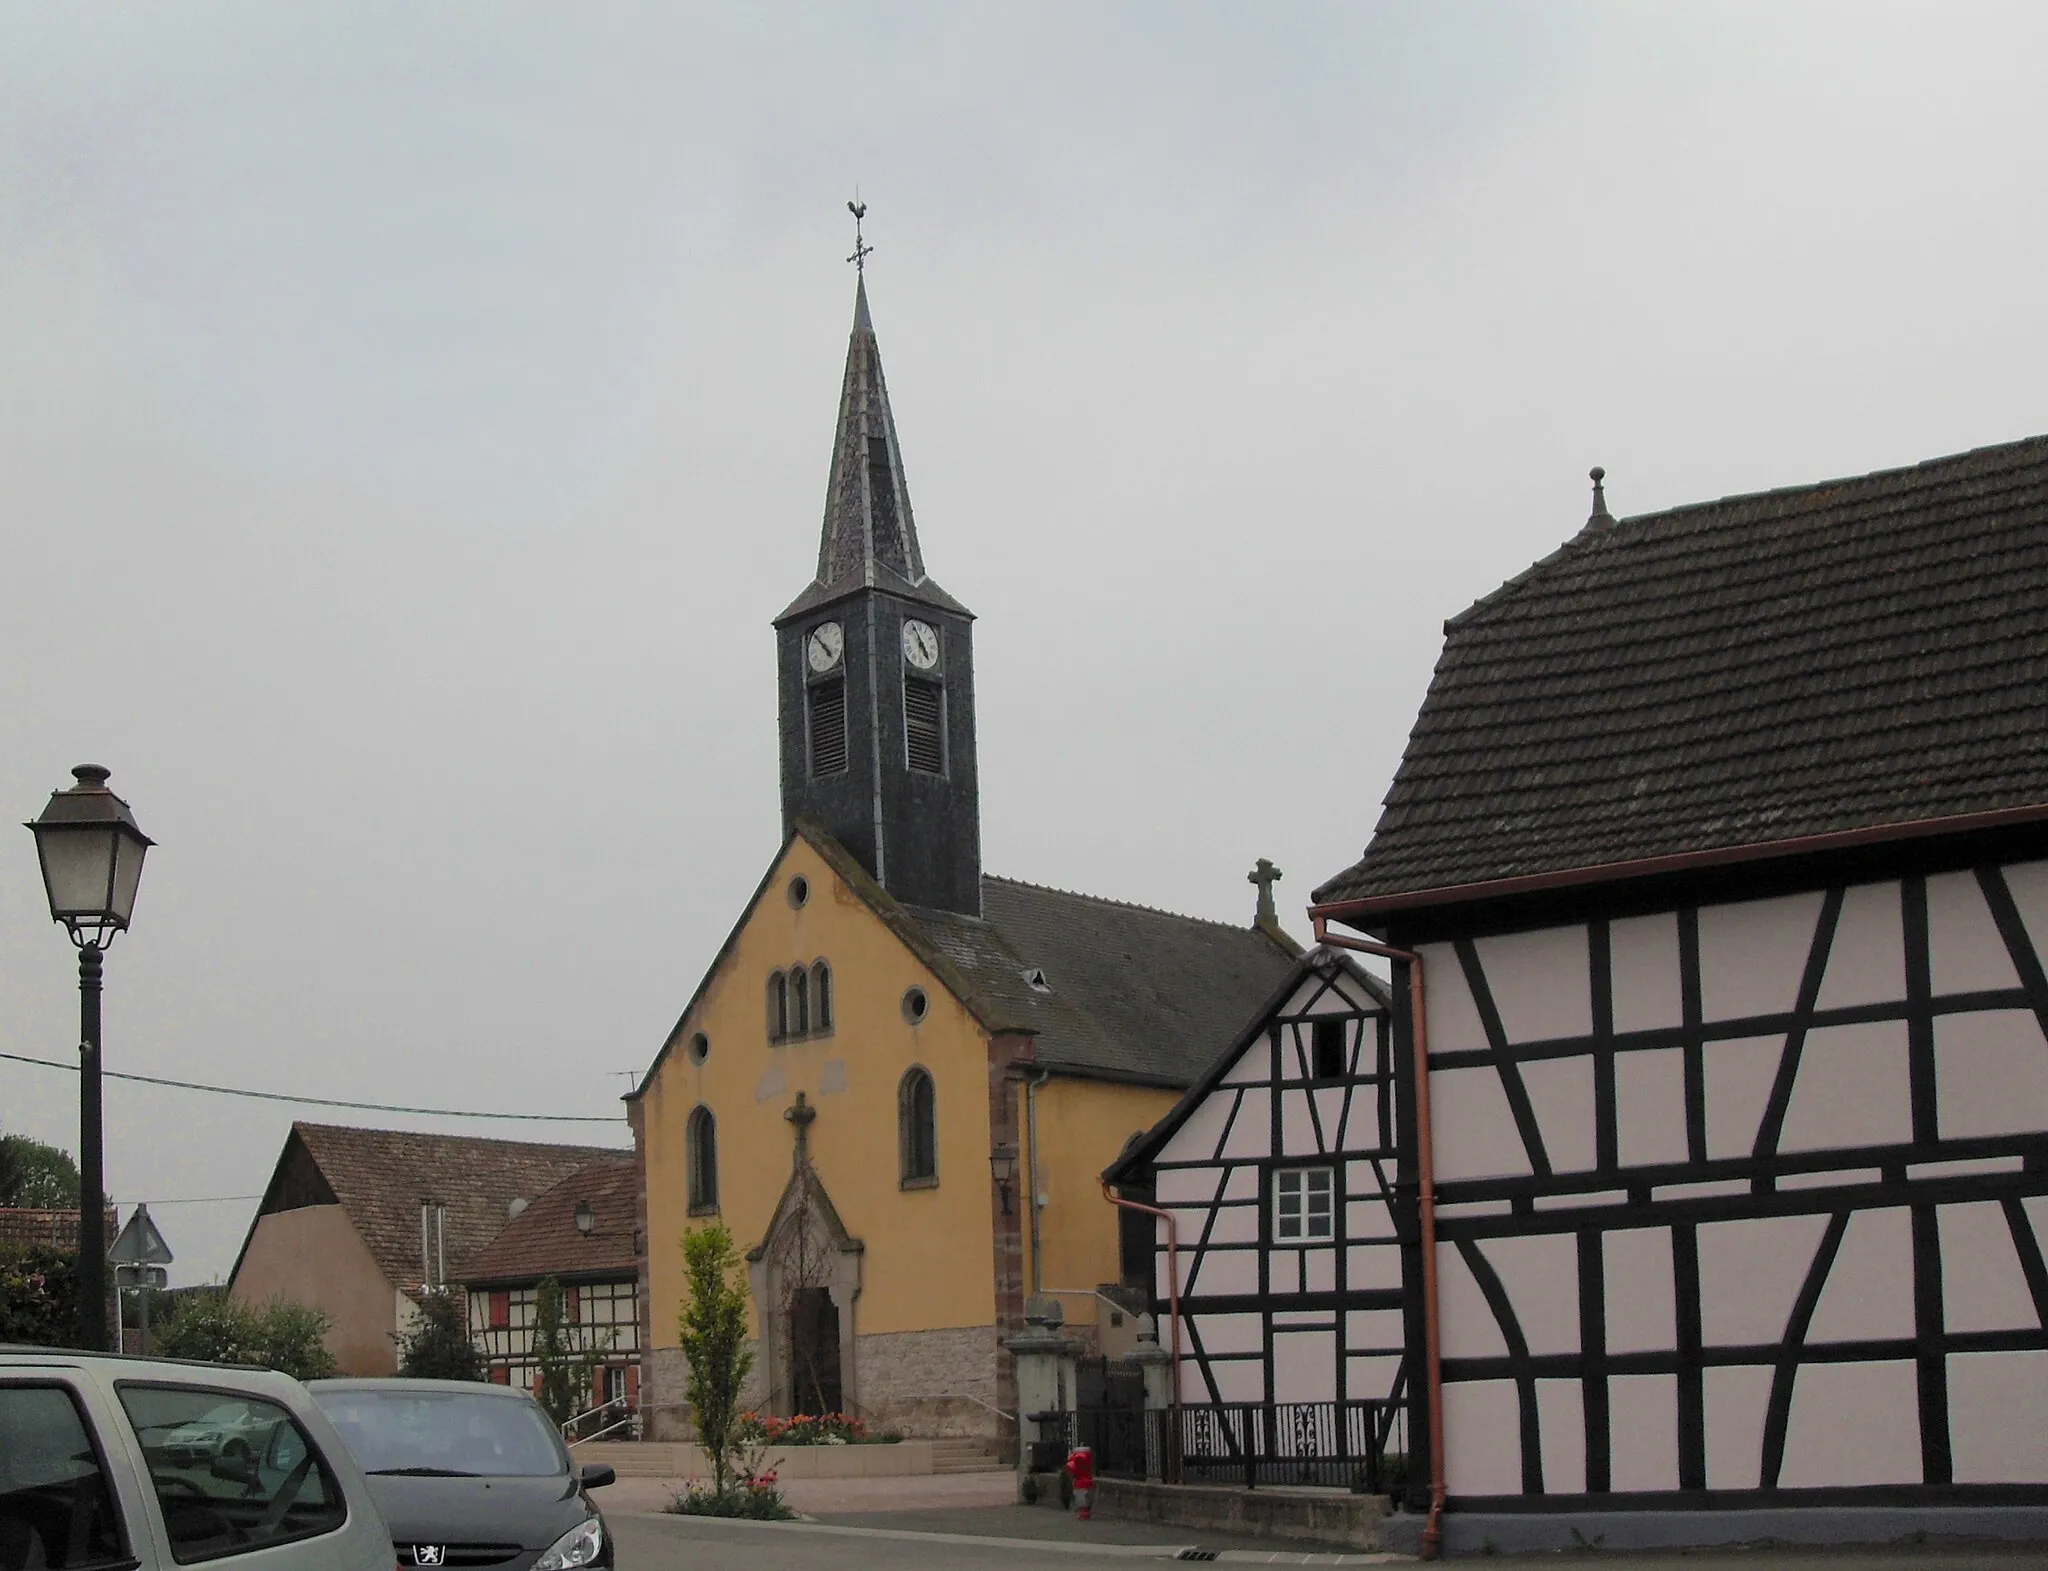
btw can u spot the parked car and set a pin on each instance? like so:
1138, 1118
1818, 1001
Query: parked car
470, 1474
91, 1474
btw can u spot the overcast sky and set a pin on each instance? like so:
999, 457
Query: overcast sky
411, 417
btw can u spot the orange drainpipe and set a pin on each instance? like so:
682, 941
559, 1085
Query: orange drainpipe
1425, 1174
1172, 1306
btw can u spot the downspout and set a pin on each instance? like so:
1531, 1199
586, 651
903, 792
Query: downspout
1031, 1170
1172, 1303
1425, 1176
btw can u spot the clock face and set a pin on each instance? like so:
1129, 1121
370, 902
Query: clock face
824, 646
921, 645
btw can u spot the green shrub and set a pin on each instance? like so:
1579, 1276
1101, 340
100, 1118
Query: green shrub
755, 1498
217, 1329
38, 1296
438, 1345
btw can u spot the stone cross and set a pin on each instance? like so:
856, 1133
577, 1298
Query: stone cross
800, 1115
1265, 875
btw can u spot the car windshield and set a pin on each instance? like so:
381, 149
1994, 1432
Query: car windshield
446, 1434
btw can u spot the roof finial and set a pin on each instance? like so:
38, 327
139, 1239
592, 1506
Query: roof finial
861, 249
1265, 875
1600, 518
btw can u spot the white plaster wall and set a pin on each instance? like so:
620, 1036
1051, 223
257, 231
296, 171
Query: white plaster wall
1187, 1186
1641, 1307
1869, 1291
1753, 953
1643, 956
1750, 1274
1237, 1380
1297, 1129
1738, 1399
1232, 1224
1482, 1438
1642, 1428
1368, 1219
1540, 1274
1649, 1106
1453, 1018
2028, 882
1867, 960
1475, 1130
1373, 1268
1382, 1328
1251, 1136
1540, 982
1467, 1324
1965, 952
1560, 1093
1371, 1378
1195, 1140
1230, 1333
1853, 1089
1853, 1424
1223, 1271
1990, 1074
1983, 1287
1561, 1424
1998, 1417
1738, 1076
1304, 1366
1319, 1270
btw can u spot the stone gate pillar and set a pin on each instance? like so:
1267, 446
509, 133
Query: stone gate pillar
1046, 1367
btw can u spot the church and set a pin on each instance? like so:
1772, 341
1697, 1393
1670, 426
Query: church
900, 1078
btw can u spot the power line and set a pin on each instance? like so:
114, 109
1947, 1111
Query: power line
189, 1200
321, 1101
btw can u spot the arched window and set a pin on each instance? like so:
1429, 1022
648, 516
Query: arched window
821, 997
778, 1006
702, 1140
917, 1108
799, 1001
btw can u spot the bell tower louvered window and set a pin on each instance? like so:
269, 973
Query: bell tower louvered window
828, 726
924, 725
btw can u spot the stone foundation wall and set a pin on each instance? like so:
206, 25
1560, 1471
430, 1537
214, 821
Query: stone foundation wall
918, 1382
664, 1377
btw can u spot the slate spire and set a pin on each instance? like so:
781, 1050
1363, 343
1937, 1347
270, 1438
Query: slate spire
869, 533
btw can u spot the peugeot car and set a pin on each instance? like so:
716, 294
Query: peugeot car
469, 1475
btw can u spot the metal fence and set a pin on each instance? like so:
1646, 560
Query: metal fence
1360, 1446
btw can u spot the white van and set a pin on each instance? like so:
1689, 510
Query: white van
132, 1464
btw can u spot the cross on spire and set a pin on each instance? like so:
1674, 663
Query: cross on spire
1265, 875
861, 249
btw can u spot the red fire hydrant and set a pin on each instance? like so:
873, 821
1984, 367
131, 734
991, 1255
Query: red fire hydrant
1081, 1469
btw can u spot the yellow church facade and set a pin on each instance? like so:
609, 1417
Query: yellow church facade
899, 1079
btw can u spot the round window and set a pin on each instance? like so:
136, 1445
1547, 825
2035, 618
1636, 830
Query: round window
700, 1048
915, 1004
799, 891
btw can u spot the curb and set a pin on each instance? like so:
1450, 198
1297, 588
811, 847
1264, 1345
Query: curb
1275, 1557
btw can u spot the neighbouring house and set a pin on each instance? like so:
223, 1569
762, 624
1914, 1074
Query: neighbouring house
33, 1227
899, 1078
584, 1234
1279, 1166
1722, 838
362, 1222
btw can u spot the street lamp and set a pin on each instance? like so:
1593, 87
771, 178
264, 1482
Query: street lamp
1002, 1165
586, 1217
91, 852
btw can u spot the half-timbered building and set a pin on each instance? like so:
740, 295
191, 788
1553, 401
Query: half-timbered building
1278, 1168
1721, 848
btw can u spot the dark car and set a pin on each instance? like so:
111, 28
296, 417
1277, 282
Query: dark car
469, 1475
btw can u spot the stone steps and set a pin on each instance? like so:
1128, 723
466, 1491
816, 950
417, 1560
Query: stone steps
962, 1455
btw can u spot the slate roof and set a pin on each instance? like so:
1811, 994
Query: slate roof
869, 537
543, 1240
379, 1176
1823, 659
1131, 992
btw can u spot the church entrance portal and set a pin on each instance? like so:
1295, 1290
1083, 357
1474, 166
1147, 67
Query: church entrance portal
814, 1351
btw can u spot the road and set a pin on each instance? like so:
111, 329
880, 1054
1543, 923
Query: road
661, 1543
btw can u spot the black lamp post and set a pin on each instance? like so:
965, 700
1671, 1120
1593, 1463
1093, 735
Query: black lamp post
91, 851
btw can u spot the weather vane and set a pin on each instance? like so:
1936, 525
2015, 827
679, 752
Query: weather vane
861, 249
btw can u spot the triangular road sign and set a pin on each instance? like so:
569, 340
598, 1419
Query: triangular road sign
140, 1244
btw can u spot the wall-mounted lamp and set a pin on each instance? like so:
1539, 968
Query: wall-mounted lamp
1002, 1164
586, 1217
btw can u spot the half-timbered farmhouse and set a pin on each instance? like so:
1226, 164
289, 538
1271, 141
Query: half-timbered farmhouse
1722, 840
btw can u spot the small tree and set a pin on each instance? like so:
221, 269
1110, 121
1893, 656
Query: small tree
36, 1176
438, 1345
38, 1296
281, 1335
714, 1338
564, 1370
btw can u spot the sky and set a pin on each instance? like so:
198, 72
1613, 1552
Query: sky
412, 416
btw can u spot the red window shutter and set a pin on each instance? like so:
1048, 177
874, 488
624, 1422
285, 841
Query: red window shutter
501, 1374
573, 1304
501, 1309
633, 1383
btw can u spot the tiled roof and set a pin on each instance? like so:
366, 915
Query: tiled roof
543, 1240
1824, 659
380, 1177
23, 1226
1129, 991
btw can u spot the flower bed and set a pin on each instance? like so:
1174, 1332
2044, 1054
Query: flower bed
808, 1429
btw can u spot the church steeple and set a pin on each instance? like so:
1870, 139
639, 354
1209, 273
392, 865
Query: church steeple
877, 668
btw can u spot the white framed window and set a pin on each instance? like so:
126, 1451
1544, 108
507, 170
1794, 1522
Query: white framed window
1305, 1203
